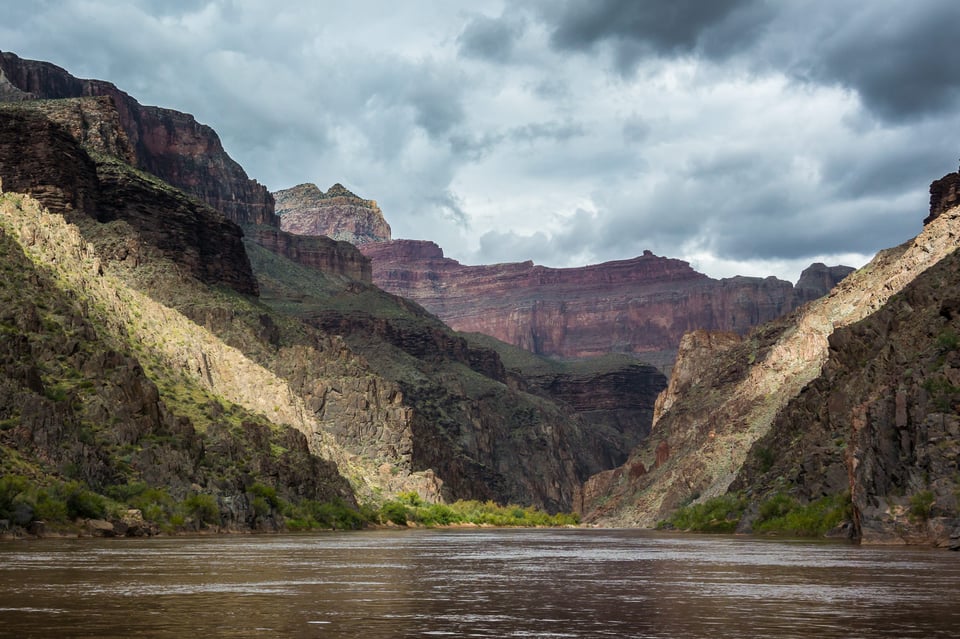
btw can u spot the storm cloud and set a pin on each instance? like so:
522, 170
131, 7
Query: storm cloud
746, 136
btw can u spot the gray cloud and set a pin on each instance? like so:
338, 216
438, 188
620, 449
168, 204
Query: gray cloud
736, 132
635, 29
899, 58
491, 39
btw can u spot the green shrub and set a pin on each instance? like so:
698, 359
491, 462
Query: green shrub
50, 508
782, 514
202, 509
83, 503
335, 515
267, 493
410, 499
394, 512
766, 458
717, 515
920, 506
11, 486
155, 504
948, 340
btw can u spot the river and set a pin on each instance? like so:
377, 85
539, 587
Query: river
474, 583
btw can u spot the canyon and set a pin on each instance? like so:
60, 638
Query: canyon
165, 329
242, 330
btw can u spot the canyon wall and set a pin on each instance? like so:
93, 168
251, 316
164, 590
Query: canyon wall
40, 157
315, 251
166, 143
805, 405
636, 306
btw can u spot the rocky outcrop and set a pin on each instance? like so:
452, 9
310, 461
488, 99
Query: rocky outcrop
697, 349
77, 403
315, 251
338, 214
40, 157
93, 122
636, 306
880, 423
166, 143
817, 280
741, 390
944, 195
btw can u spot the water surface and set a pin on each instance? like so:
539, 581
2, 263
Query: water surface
474, 583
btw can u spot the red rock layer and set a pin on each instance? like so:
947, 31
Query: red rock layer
321, 253
167, 143
640, 305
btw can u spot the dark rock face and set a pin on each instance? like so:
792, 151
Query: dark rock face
944, 195
39, 157
315, 251
817, 279
485, 438
881, 422
630, 306
615, 408
166, 143
202, 240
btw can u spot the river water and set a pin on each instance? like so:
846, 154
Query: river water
474, 583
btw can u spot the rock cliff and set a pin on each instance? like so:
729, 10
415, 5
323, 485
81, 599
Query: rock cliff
745, 389
338, 214
84, 401
314, 251
166, 143
944, 195
371, 381
636, 306
39, 156
880, 423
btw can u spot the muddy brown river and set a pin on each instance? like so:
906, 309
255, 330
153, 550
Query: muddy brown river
474, 583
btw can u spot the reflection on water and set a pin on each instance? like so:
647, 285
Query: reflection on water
474, 583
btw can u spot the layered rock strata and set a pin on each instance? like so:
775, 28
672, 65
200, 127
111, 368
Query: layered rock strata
336, 213
636, 306
166, 143
40, 157
315, 251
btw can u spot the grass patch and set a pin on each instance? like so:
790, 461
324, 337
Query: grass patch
717, 515
410, 508
784, 515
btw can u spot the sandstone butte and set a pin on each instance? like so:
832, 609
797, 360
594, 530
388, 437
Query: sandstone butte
336, 213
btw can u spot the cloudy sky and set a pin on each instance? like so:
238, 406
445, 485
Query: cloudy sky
748, 137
